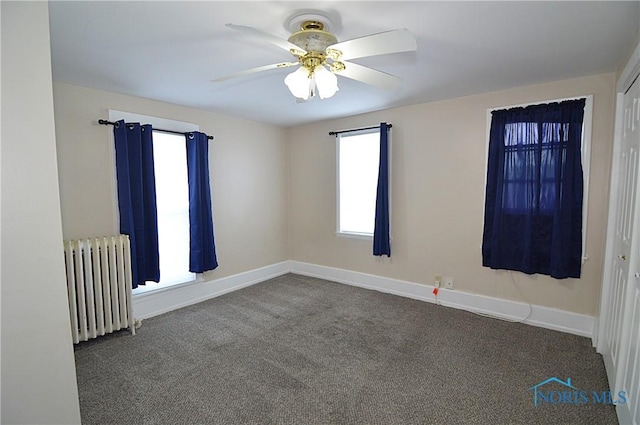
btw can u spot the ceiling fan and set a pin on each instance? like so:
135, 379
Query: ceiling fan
321, 57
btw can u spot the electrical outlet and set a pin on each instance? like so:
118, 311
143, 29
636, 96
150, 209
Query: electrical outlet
448, 282
437, 281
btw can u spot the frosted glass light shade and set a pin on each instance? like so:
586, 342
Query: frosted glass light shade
326, 82
299, 83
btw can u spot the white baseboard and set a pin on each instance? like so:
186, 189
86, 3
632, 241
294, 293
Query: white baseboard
545, 317
153, 303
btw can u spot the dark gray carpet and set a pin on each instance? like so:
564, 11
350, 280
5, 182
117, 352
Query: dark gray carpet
298, 350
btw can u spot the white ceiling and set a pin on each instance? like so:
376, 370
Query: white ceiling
169, 51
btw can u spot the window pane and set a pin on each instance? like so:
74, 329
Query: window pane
172, 192
358, 179
533, 165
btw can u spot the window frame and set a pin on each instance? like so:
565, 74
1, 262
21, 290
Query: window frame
585, 151
371, 130
164, 123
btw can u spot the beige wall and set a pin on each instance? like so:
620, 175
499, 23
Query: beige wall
248, 165
438, 172
274, 189
38, 369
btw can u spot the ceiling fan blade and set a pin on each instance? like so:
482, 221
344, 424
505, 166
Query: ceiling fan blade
280, 42
382, 43
254, 70
370, 76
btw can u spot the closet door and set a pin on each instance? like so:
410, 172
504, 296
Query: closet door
627, 341
615, 290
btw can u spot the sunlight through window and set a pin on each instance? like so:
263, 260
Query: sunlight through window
358, 157
172, 193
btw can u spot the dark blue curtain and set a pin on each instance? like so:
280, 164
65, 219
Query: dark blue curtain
533, 207
202, 253
137, 198
381, 243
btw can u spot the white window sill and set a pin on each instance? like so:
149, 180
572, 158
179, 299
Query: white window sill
354, 235
154, 288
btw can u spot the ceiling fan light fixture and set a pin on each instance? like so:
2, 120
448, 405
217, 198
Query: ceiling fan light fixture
304, 84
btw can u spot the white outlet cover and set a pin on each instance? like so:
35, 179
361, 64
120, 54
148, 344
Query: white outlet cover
448, 282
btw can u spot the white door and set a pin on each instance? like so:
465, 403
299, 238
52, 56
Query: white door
626, 341
625, 208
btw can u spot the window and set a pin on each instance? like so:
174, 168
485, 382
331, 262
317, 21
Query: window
535, 204
533, 155
172, 198
358, 155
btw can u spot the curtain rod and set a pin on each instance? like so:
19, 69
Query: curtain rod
333, 133
106, 122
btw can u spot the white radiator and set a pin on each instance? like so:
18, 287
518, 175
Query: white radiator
99, 286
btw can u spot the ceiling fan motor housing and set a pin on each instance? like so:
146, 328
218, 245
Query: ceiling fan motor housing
312, 37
